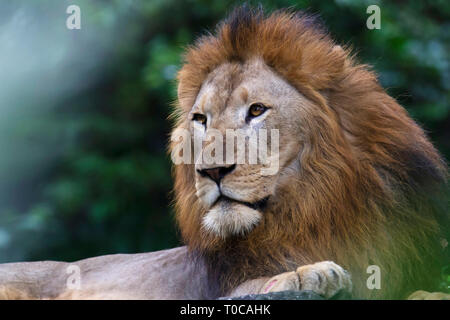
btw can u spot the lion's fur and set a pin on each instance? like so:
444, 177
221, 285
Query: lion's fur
368, 191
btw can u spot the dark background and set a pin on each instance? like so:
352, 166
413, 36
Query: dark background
83, 128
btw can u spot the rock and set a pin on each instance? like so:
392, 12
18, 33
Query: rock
291, 295
282, 295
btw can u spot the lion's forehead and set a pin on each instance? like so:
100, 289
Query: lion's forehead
232, 84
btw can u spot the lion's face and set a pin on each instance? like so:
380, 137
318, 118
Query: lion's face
246, 97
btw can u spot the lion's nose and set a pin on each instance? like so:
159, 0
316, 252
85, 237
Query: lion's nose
217, 174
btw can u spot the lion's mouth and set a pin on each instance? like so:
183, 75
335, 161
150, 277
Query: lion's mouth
259, 205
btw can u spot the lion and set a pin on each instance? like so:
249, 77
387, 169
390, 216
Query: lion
358, 183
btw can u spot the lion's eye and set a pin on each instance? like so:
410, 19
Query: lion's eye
256, 110
199, 118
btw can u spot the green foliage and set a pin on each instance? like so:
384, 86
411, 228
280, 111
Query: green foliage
108, 190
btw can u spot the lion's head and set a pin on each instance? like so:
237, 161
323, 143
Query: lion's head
354, 172
245, 97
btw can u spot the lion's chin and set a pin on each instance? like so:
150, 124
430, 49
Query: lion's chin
228, 218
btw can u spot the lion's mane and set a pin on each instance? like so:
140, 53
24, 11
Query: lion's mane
369, 188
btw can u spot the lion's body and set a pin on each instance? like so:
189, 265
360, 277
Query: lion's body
165, 274
359, 183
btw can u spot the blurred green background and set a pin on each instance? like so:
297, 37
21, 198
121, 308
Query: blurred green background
83, 126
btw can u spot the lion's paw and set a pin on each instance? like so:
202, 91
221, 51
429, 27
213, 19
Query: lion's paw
325, 278
425, 295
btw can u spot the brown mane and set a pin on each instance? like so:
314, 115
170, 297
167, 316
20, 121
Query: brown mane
370, 180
